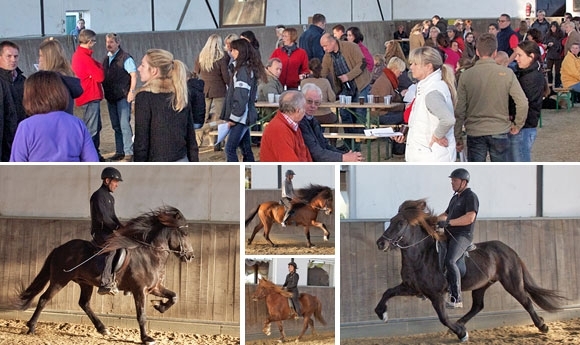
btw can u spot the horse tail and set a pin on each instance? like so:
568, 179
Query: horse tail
253, 213
318, 311
25, 297
548, 300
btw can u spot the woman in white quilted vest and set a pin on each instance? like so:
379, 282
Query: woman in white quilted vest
430, 137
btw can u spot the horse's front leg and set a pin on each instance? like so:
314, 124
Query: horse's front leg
161, 291
399, 290
281, 329
439, 305
85, 304
322, 227
267, 329
139, 296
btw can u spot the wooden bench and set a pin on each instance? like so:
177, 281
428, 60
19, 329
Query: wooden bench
563, 93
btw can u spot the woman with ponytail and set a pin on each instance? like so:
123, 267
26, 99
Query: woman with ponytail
430, 137
163, 119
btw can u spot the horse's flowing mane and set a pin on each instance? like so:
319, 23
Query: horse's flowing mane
273, 288
310, 192
416, 212
143, 229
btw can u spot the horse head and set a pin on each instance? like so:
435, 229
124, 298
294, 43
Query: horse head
413, 224
178, 242
319, 197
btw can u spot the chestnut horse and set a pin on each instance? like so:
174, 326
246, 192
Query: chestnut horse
413, 231
277, 302
315, 198
149, 240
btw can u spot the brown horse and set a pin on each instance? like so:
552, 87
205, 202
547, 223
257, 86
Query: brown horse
279, 310
149, 240
315, 198
413, 231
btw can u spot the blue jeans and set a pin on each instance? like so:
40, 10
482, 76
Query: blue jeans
92, 119
576, 88
497, 145
347, 115
239, 136
456, 246
521, 145
120, 114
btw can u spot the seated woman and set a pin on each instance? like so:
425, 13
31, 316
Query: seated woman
50, 134
386, 85
273, 85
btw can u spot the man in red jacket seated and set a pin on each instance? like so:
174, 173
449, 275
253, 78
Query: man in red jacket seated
282, 140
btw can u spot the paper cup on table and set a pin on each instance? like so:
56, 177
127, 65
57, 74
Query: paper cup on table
370, 99
271, 98
341, 99
277, 98
348, 99
388, 99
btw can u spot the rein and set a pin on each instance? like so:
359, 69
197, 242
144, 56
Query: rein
181, 251
395, 242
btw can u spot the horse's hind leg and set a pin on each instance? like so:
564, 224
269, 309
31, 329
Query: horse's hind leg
53, 289
307, 322
476, 306
256, 229
521, 296
85, 304
307, 234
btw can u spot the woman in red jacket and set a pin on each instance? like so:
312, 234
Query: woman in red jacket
294, 60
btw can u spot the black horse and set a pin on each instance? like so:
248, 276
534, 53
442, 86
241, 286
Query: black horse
149, 239
413, 231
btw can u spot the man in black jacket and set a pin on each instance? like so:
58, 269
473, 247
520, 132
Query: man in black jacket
119, 86
291, 285
104, 222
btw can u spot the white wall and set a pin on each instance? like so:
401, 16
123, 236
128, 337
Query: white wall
375, 192
266, 176
208, 193
279, 269
22, 18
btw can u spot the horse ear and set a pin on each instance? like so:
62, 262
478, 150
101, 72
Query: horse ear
422, 204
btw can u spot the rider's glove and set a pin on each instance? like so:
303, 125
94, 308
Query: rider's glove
443, 224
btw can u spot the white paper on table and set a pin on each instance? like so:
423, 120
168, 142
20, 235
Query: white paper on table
223, 129
382, 132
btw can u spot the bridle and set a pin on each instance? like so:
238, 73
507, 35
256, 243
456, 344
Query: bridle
181, 252
395, 242
324, 207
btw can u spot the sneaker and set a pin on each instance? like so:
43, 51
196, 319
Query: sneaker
127, 158
107, 290
453, 303
117, 157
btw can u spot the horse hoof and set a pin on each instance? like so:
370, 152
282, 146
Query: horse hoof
544, 328
325, 238
104, 332
385, 317
149, 341
465, 338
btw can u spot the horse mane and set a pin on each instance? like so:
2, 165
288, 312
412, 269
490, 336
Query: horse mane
273, 288
142, 229
308, 193
416, 213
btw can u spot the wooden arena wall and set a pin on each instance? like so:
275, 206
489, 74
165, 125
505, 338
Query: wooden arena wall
257, 196
548, 247
256, 312
207, 287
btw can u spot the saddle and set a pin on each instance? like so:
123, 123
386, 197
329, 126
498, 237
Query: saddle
441, 248
118, 259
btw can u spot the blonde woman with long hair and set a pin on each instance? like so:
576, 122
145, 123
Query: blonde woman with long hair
431, 123
211, 66
52, 57
163, 118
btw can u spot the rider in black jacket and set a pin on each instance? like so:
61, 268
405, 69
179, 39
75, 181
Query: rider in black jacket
104, 222
291, 285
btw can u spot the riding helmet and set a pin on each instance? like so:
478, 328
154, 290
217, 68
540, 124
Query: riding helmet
111, 173
290, 172
293, 264
461, 174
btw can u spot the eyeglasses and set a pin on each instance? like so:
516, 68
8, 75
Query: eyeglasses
311, 101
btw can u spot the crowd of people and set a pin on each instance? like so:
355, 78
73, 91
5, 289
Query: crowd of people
438, 74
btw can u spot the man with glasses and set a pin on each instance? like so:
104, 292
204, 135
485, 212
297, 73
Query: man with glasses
319, 147
91, 74
507, 38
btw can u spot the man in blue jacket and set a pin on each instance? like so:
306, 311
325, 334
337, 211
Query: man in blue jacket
310, 39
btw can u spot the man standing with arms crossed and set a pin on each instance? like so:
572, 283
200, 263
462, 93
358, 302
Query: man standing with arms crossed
119, 86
